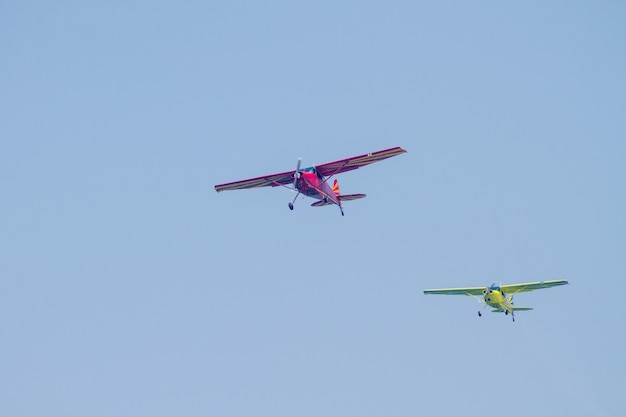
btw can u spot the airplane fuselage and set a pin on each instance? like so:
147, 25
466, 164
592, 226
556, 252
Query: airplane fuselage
313, 185
498, 300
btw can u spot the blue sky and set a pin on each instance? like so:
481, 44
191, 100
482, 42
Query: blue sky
129, 287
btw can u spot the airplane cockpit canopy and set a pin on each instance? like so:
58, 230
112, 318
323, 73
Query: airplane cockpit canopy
313, 170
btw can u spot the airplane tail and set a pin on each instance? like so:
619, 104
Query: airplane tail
515, 308
346, 197
336, 188
321, 203
341, 198
349, 197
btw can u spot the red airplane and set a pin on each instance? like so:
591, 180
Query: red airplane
313, 181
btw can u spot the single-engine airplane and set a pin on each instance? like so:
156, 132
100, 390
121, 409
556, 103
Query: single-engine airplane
499, 297
313, 181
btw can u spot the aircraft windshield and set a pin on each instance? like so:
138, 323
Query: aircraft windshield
313, 170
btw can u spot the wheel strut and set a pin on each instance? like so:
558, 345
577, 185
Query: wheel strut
294, 200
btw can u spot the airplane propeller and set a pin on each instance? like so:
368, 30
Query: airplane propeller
296, 175
488, 289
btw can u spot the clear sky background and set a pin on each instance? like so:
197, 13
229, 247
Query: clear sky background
129, 287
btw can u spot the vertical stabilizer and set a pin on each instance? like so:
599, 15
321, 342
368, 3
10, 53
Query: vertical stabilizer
336, 188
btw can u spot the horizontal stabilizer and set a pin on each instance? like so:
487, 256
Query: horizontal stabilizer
348, 197
342, 198
499, 310
321, 203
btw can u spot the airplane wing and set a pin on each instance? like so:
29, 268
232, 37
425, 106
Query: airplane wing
530, 286
355, 162
473, 291
508, 289
273, 180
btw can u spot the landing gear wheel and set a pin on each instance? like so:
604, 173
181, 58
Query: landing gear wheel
290, 206
480, 314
